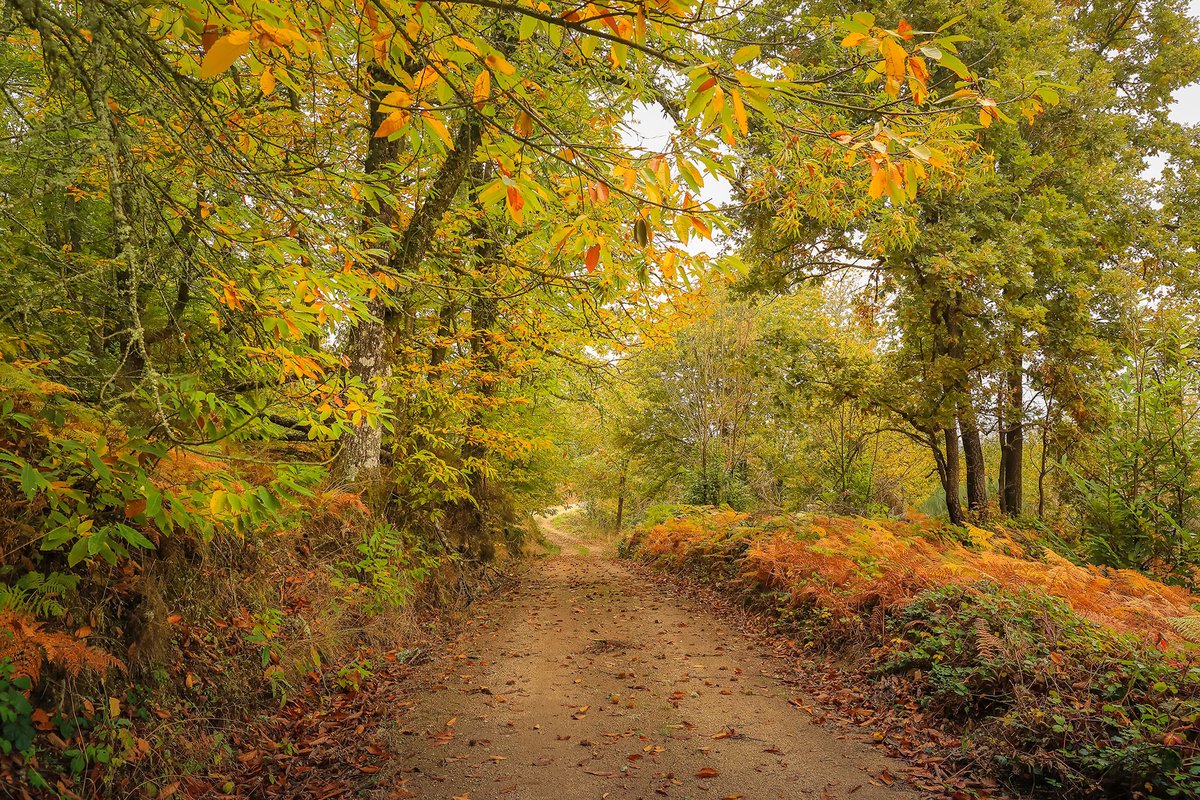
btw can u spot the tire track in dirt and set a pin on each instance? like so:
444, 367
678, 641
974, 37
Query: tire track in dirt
584, 681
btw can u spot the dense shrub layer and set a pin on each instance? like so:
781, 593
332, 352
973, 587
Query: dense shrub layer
1065, 680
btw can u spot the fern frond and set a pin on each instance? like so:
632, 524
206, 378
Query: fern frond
28, 646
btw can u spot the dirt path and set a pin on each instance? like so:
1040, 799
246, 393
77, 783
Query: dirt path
587, 682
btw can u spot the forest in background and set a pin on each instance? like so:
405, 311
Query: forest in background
307, 306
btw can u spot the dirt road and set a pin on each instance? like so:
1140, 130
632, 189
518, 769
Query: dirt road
588, 682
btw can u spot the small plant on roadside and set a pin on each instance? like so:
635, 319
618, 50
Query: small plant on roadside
16, 712
351, 676
388, 566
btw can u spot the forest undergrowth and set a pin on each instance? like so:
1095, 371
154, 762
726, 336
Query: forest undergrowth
1053, 678
230, 658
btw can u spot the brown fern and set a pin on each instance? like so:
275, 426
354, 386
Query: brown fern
29, 647
989, 645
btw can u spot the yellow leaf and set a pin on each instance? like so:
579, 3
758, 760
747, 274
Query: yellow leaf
718, 100
878, 184
739, 111
439, 128
500, 64
483, 88
854, 40
668, 266
985, 118
894, 57
226, 50
114, 707
266, 81
395, 101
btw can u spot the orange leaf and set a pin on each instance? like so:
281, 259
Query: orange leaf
516, 202
524, 125
591, 259
739, 111
394, 122
226, 50
707, 772
500, 64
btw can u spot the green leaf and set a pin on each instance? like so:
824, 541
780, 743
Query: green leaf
1047, 95
747, 53
134, 536
952, 21
57, 537
79, 552
955, 63
31, 481
527, 27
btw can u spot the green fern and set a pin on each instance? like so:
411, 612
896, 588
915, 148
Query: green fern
38, 595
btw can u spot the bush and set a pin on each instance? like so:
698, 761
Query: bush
1056, 700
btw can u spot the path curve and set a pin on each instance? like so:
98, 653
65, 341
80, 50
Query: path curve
585, 681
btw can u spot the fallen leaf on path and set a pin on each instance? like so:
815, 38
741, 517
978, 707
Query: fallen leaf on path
707, 772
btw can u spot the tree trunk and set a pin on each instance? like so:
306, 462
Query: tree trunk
977, 499
369, 355
367, 350
370, 349
484, 355
1002, 467
621, 496
1012, 439
1043, 467
950, 478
